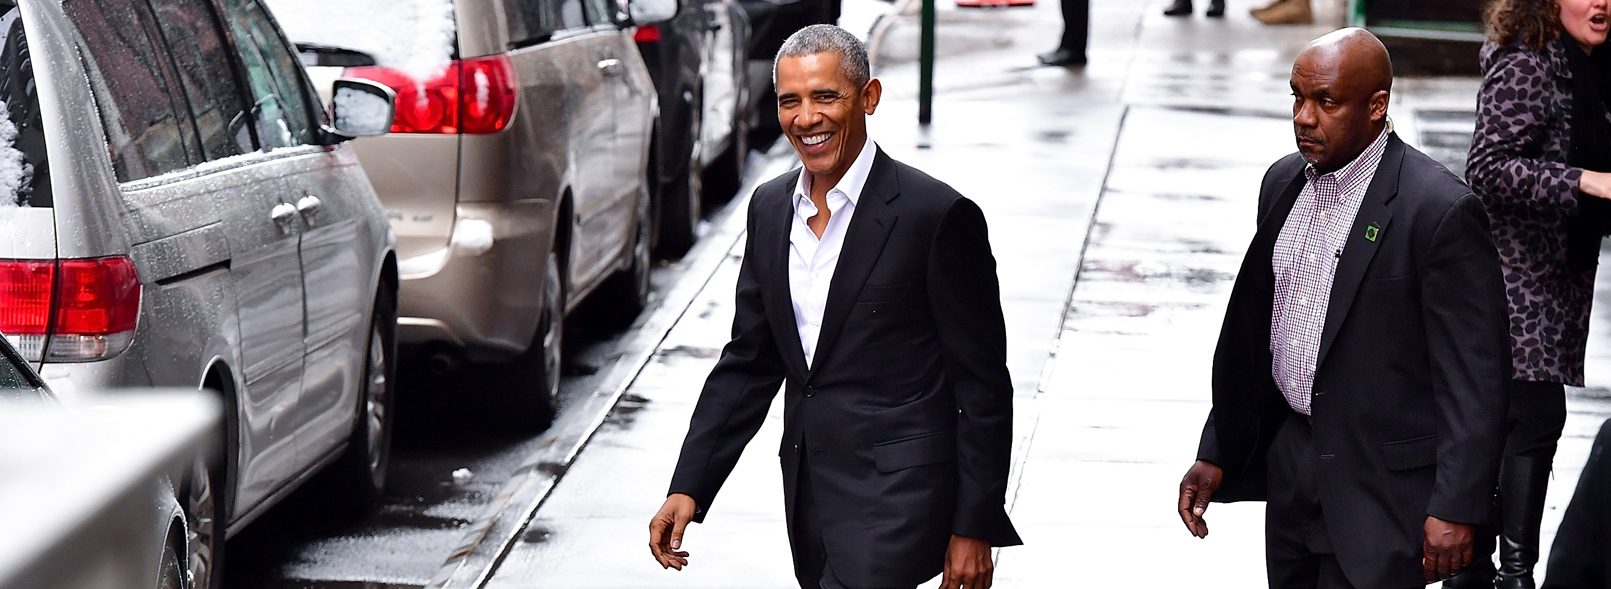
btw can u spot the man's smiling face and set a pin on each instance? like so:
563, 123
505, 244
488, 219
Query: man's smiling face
823, 114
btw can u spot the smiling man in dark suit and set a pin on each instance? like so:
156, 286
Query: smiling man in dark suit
1359, 380
868, 291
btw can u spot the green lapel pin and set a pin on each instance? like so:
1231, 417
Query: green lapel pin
1371, 232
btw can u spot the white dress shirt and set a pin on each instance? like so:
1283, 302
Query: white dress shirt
812, 260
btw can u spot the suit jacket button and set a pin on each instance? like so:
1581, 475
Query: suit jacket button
810, 392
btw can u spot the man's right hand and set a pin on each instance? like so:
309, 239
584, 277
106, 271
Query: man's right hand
665, 531
1195, 491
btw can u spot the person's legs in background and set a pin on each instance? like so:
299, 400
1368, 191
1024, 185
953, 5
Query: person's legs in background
1216, 8
1533, 425
1076, 34
1285, 12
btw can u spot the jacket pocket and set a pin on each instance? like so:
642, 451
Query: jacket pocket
913, 451
878, 293
1412, 453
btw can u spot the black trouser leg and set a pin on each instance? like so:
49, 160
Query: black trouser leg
1535, 419
1076, 27
1297, 545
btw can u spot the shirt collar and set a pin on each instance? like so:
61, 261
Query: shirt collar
851, 184
1362, 166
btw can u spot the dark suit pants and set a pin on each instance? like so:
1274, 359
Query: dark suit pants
1076, 25
811, 566
1297, 543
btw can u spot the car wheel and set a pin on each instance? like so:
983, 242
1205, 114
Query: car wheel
361, 474
682, 206
627, 293
171, 571
531, 381
204, 540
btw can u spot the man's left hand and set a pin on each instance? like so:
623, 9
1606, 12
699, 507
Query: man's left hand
968, 564
1446, 550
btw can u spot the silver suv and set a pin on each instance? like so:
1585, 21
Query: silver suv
517, 177
177, 211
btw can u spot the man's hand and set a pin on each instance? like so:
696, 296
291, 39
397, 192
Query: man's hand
665, 531
1196, 489
968, 564
1447, 549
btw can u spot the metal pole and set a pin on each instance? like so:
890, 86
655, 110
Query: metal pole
925, 75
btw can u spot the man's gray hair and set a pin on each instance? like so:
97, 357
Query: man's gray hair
828, 39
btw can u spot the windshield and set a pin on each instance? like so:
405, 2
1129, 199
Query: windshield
415, 37
24, 180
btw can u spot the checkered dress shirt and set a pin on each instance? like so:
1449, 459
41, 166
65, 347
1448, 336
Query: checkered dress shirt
1306, 256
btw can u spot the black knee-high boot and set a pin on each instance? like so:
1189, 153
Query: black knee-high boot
1523, 481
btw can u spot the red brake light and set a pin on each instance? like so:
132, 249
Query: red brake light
469, 96
647, 34
87, 308
25, 288
97, 297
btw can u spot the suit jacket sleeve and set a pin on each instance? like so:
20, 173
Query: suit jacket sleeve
1466, 319
737, 394
966, 300
1513, 127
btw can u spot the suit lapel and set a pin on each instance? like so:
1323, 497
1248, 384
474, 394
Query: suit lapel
1364, 238
777, 222
864, 241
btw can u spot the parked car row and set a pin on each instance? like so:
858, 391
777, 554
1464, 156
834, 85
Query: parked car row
562, 143
185, 201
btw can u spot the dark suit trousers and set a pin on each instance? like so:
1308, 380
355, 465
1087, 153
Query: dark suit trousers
811, 566
1076, 25
1297, 542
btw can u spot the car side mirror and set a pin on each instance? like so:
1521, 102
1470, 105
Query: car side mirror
650, 12
361, 108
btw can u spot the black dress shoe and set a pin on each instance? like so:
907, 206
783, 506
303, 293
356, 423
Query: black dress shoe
1179, 8
1216, 9
1062, 57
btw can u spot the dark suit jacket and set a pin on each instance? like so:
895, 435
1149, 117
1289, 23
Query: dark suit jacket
1410, 385
907, 411
1581, 556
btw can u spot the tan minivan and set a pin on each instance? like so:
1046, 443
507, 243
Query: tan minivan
516, 179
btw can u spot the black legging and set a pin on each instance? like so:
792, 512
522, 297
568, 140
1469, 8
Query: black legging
1536, 417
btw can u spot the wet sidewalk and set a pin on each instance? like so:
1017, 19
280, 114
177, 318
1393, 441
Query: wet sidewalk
1120, 199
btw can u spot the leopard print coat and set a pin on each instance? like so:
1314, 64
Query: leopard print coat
1518, 166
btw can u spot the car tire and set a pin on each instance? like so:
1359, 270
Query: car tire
171, 570
682, 204
530, 382
360, 475
627, 292
202, 499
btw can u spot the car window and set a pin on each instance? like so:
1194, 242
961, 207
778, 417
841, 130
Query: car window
212, 90
537, 20
598, 12
24, 167
146, 133
273, 77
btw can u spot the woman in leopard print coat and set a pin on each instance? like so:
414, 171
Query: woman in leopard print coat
1539, 93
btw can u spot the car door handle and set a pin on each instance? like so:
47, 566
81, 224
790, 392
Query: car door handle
282, 214
611, 67
308, 205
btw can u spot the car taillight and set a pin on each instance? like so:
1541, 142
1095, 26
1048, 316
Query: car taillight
69, 310
474, 96
647, 34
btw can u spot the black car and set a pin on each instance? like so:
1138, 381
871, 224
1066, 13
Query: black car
771, 23
699, 62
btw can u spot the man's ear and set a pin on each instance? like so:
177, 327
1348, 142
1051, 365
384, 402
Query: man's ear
1378, 106
870, 95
